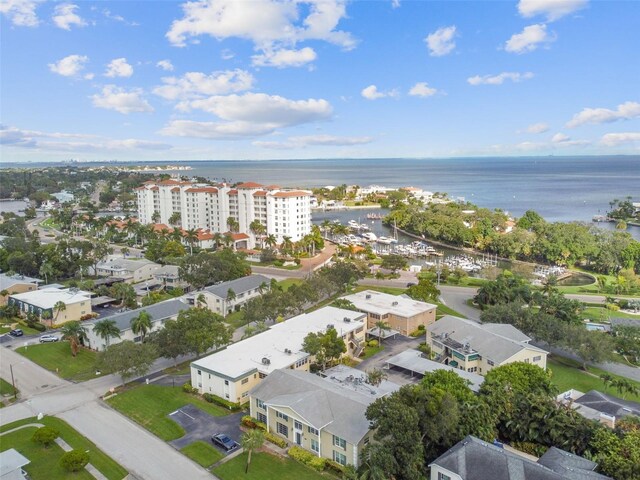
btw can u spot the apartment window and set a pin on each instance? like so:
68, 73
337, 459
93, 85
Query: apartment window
315, 445
244, 381
339, 442
282, 416
199, 372
226, 382
260, 404
537, 358
442, 476
312, 430
245, 394
262, 375
366, 441
282, 429
261, 417
340, 458
297, 425
490, 362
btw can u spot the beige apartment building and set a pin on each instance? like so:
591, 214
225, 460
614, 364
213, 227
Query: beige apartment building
13, 284
77, 303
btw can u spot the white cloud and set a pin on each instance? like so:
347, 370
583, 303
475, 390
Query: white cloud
227, 54
121, 100
65, 15
316, 140
560, 138
372, 93
197, 84
118, 18
265, 22
284, 58
441, 42
21, 13
118, 67
395, 3
537, 128
529, 39
625, 111
614, 139
421, 89
165, 65
499, 79
215, 130
69, 66
552, 9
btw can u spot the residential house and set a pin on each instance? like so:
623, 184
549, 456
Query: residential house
599, 406
160, 312
132, 271
13, 284
477, 348
403, 314
242, 289
11, 463
169, 277
77, 303
231, 373
320, 415
474, 459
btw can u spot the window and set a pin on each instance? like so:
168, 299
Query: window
282, 429
339, 458
297, 425
442, 476
262, 417
245, 394
226, 382
199, 372
262, 375
339, 442
244, 381
490, 362
315, 446
366, 441
282, 416
526, 360
537, 358
260, 404
312, 430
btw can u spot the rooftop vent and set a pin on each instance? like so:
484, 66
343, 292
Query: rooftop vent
347, 319
330, 326
394, 304
286, 350
266, 361
367, 296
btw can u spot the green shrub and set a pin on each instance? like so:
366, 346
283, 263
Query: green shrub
531, 448
613, 307
421, 327
221, 401
250, 422
187, 388
373, 343
45, 436
334, 468
307, 458
75, 460
270, 437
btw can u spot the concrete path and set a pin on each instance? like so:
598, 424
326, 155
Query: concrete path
30, 379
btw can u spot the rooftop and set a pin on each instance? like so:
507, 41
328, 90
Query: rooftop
8, 281
119, 264
158, 311
280, 346
291, 193
625, 322
608, 404
381, 303
497, 344
356, 380
47, 297
239, 285
11, 460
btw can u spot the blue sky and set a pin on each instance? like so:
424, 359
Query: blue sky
235, 79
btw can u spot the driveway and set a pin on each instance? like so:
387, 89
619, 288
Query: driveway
201, 426
392, 346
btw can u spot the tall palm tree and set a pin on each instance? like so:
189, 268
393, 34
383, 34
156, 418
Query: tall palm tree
271, 241
233, 224
141, 324
382, 325
252, 440
201, 300
376, 376
106, 329
60, 306
47, 270
287, 244
191, 237
257, 228
75, 333
606, 379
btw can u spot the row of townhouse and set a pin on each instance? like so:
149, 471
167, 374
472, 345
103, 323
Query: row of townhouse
284, 213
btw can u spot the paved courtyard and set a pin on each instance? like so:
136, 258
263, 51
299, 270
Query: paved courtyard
201, 426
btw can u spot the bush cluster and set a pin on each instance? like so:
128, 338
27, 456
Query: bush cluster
250, 422
307, 458
187, 388
221, 401
270, 437
373, 343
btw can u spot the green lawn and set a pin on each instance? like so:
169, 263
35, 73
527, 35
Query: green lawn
389, 290
202, 453
149, 405
265, 466
5, 387
236, 319
567, 375
286, 283
45, 462
371, 351
602, 314
56, 356
444, 310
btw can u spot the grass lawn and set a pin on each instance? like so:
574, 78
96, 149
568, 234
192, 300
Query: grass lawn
602, 314
265, 466
286, 283
202, 453
235, 319
371, 351
443, 310
389, 290
567, 375
5, 387
57, 355
45, 461
149, 405
182, 369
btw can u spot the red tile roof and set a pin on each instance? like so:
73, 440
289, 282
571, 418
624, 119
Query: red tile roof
260, 193
202, 190
169, 182
293, 193
232, 192
250, 185
272, 187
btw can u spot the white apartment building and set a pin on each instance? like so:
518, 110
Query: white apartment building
284, 213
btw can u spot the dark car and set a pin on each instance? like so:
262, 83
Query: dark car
16, 332
411, 284
224, 442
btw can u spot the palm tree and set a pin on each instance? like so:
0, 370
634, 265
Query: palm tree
271, 241
287, 244
75, 333
141, 324
47, 270
376, 376
252, 440
174, 219
232, 223
549, 285
46, 315
257, 228
124, 251
201, 300
191, 237
155, 218
106, 329
60, 306
606, 379
382, 325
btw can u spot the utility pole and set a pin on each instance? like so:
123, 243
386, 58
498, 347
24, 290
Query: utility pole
13, 383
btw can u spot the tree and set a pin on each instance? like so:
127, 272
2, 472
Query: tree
171, 341
59, 306
271, 241
394, 262
344, 304
124, 251
590, 346
124, 293
205, 268
175, 218
376, 376
75, 333
507, 288
624, 386
45, 436
382, 325
74, 460
155, 218
424, 291
617, 454
606, 379
128, 359
252, 440
106, 329
141, 324
233, 224
47, 270
203, 330
191, 237
325, 347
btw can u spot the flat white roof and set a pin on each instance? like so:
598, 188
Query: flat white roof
245, 356
48, 297
382, 303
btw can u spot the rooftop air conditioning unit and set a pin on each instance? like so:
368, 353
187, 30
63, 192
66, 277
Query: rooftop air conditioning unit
394, 304
330, 326
347, 319
266, 361
286, 350
367, 296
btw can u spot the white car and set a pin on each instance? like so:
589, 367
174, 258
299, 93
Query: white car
48, 338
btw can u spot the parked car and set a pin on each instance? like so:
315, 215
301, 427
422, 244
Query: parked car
224, 442
48, 338
16, 332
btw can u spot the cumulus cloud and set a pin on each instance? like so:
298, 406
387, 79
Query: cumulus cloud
21, 13
560, 138
165, 65
69, 66
625, 111
320, 140
215, 130
118, 18
421, 89
121, 100
64, 15
441, 42
499, 79
552, 9
529, 39
284, 58
537, 128
118, 67
197, 84
614, 139
372, 93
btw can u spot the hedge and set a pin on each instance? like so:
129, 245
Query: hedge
308, 458
270, 437
209, 397
250, 422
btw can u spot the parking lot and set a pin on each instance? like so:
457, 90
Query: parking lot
201, 426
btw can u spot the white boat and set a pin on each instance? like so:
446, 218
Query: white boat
385, 240
369, 236
353, 224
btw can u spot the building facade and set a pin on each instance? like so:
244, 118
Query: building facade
12, 284
224, 298
283, 213
77, 303
132, 271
